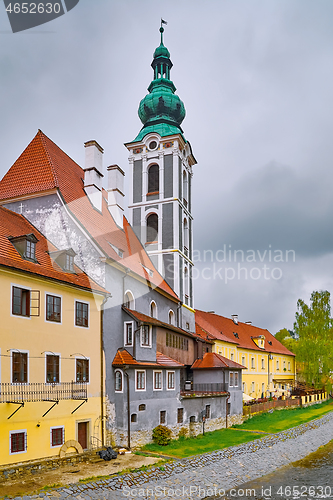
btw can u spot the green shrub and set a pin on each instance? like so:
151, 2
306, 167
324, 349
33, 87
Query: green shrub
161, 435
183, 433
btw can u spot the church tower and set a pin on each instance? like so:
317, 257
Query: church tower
161, 162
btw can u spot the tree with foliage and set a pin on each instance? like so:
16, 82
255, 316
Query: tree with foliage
287, 338
313, 327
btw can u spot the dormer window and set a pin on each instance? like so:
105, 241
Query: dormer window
64, 259
69, 266
25, 245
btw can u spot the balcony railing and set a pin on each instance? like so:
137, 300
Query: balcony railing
27, 393
203, 389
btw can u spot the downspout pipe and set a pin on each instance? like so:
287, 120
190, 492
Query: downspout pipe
128, 411
102, 366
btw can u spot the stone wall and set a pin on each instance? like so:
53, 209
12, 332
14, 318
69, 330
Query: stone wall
140, 438
36, 466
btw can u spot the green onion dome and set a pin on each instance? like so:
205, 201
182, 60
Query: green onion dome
161, 109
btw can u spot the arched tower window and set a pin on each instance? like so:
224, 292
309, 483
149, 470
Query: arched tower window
186, 238
171, 318
153, 310
129, 300
152, 228
153, 179
185, 194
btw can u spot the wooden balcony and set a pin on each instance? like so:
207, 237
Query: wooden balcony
34, 392
199, 390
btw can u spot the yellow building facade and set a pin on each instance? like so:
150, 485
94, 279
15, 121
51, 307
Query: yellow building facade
270, 368
51, 386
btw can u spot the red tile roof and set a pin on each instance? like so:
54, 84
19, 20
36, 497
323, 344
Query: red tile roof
213, 360
213, 322
123, 357
43, 167
13, 224
143, 318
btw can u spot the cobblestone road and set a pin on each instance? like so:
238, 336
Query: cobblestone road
204, 475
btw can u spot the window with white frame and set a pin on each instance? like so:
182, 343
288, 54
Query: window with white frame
284, 365
19, 367
232, 356
171, 317
18, 441
262, 363
171, 380
231, 379
243, 360
118, 381
53, 308
57, 436
277, 365
146, 336
153, 310
129, 300
81, 314
140, 380
289, 366
253, 386
20, 301
52, 369
236, 379
157, 380
252, 363
128, 333
82, 370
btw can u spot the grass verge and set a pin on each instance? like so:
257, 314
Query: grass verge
276, 421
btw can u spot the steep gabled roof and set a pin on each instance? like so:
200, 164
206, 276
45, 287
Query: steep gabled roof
245, 333
14, 225
143, 318
123, 357
43, 167
212, 360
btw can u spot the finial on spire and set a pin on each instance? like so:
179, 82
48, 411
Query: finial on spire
162, 29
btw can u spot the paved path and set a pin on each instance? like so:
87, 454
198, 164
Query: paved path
204, 475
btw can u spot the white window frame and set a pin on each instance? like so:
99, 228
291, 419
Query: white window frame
132, 300
49, 321
156, 311
63, 436
154, 388
243, 360
289, 366
236, 379
263, 363
149, 345
11, 300
136, 380
50, 353
232, 356
11, 365
19, 431
231, 379
171, 316
277, 365
125, 333
89, 374
122, 381
167, 380
253, 364
88, 304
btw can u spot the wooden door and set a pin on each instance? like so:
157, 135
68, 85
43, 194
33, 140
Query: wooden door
82, 434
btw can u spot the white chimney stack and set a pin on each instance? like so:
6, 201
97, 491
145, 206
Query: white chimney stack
93, 175
116, 193
235, 318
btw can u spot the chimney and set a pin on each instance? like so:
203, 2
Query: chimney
235, 318
116, 193
93, 173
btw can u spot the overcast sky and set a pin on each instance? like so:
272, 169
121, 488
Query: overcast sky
256, 78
